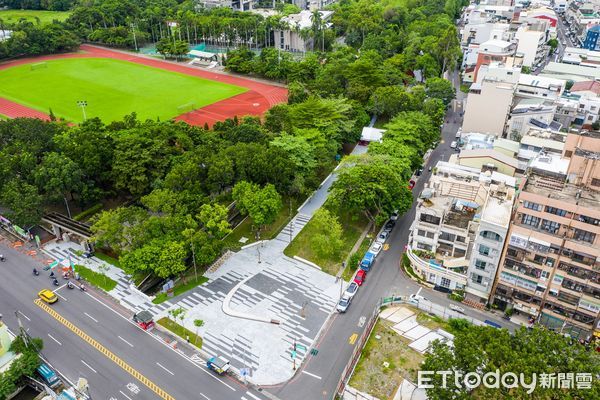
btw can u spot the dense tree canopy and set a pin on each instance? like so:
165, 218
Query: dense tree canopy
538, 351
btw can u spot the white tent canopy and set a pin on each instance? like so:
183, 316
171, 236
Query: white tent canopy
203, 54
371, 134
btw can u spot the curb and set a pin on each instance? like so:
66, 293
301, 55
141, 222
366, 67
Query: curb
309, 263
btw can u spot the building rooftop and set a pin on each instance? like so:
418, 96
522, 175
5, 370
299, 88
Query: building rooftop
460, 213
495, 155
569, 193
550, 163
498, 210
303, 18
568, 70
586, 86
540, 81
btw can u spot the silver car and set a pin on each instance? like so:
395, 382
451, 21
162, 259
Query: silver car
343, 304
351, 290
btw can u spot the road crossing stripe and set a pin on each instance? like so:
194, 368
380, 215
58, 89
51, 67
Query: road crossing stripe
353, 338
110, 355
253, 396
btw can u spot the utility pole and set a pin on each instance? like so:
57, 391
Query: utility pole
67, 204
194, 258
22, 330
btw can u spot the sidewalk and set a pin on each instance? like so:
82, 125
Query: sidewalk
125, 291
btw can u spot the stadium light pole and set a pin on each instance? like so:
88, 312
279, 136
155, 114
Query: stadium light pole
134, 38
83, 105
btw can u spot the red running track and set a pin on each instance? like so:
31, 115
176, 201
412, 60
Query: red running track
258, 99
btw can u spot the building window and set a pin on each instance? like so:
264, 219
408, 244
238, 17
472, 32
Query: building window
539, 259
445, 282
584, 236
568, 153
460, 239
449, 237
550, 226
479, 264
556, 211
476, 278
459, 252
424, 246
533, 206
491, 236
484, 250
431, 219
530, 220
544, 275
596, 181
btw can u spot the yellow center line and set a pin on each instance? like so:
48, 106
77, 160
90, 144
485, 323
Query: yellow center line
353, 338
110, 355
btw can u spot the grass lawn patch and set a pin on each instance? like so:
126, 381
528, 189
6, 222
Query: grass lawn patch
352, 225
111, 88
44, 17
108, 259
95, 278
3, 117
375, 377
181, 287
180, 331
245, 228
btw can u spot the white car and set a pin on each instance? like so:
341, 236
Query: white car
456, 308
343, 304
376, 248
382, 237
351, 290
415, 298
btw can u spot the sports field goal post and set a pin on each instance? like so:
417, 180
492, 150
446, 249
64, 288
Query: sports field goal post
39, 65
184, 108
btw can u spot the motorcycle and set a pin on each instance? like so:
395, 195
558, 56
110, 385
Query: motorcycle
82, 288
36, 272
70, 285
2, 258
55, 282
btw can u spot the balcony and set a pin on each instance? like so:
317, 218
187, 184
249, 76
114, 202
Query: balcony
432, 266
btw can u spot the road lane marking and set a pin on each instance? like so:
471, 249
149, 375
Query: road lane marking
127, 397
24, 316
162, 366
52, 337
361, 321
202, 394
353, 338
253, 396
162, 342
130, 345
88, 365
110, 355
90, 317
313, 375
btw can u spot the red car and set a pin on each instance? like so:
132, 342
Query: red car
360, 277
411, 184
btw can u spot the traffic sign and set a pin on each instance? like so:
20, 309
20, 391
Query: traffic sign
300, 347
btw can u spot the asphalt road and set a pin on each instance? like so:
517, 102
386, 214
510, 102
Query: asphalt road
319, 376
158, 365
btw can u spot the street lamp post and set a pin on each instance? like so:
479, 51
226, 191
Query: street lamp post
83, 104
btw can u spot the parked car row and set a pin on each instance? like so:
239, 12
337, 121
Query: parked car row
366, 264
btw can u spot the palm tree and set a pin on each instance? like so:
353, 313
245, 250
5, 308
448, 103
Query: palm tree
317, 25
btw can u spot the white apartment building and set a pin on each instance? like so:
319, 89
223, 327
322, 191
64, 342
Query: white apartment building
531, 113
291, 38
447, 224
490, 94
531, 42
535, 86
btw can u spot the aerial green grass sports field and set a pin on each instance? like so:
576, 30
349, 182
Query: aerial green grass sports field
45, 17
111, 88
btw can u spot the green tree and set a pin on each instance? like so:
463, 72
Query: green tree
484, 349
214, 220
261, 205
57, 175
327, 241
198, 323
23, 203
370, 185
440, 89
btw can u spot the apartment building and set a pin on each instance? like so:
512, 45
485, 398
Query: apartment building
550, 267
531, 41
490, 94
458, 213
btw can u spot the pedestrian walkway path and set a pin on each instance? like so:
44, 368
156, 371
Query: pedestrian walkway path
125, 291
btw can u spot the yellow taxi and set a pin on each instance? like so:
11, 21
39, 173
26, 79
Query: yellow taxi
48, 296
